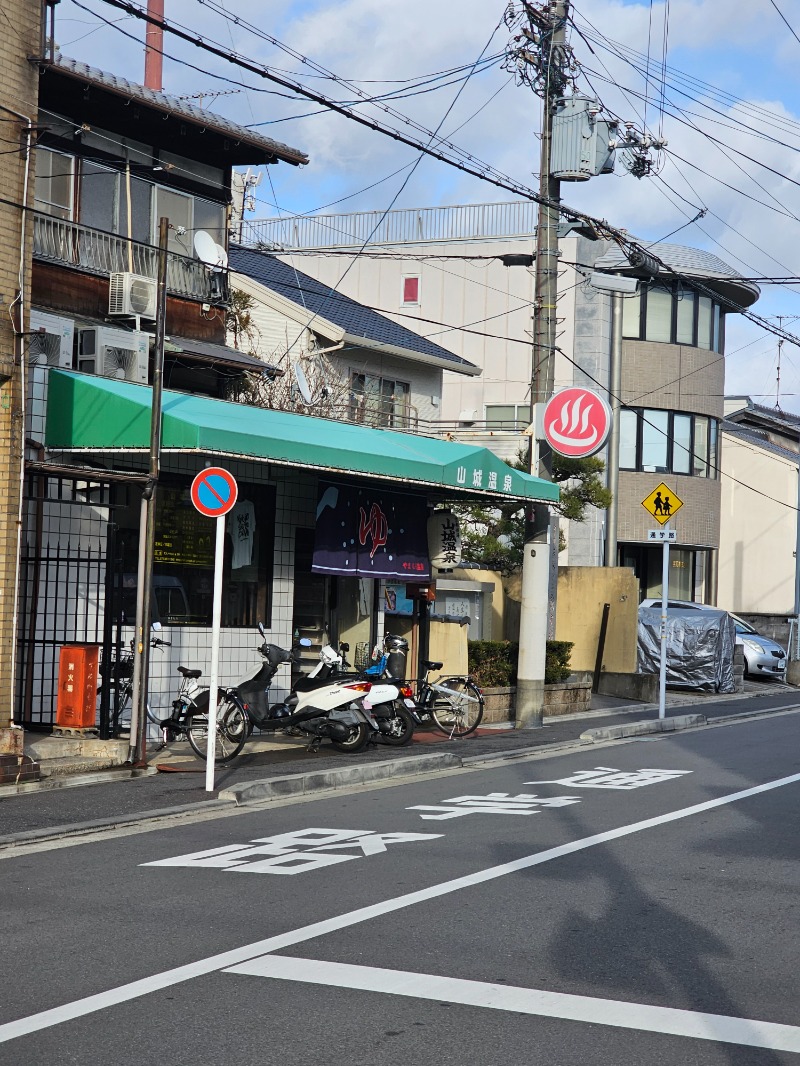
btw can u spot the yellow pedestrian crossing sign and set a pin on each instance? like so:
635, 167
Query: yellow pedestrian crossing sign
662, 503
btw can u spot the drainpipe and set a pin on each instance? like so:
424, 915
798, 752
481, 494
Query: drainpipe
19, 359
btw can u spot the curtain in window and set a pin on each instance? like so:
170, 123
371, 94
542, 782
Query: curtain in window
655, 427
681, 443
685, 324
628, 421
658, 324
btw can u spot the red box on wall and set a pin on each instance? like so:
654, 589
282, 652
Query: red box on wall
77, 686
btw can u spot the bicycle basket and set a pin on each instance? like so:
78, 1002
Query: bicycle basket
121, 669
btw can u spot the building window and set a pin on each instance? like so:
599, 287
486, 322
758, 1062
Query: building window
177, 207
183, 566
681, 444
656, 441
378, 401
515, 416
410, 293
674, 316
54, 191
655, 438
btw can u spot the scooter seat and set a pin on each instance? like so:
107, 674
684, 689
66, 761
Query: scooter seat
189, 673
433, 666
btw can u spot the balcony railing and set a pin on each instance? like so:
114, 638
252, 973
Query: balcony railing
94, 251
466, 222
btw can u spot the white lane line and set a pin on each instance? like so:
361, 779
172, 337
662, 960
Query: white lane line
617, 1013
102, 1000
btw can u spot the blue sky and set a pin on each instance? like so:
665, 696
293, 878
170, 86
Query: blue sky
736, 57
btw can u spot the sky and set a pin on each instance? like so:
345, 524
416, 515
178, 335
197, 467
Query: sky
724, 93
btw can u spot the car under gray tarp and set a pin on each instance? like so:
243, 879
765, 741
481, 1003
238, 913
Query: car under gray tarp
700, 648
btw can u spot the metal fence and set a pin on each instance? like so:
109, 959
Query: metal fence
405, 226
68, 589
97, 252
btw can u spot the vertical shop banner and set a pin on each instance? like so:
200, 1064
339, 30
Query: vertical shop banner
367, 532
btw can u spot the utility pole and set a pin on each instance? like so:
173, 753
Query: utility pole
548, 33
147, 525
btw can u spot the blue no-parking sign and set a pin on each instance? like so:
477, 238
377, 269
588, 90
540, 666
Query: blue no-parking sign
214, 491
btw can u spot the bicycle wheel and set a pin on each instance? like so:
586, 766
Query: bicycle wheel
457, 707
231, 732
122, 719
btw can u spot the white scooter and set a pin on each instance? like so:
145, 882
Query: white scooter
319, 706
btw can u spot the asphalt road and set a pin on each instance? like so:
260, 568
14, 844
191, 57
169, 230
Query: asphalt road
631, 904
122, 799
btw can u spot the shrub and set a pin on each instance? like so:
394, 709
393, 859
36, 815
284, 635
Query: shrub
556, 664
493, 663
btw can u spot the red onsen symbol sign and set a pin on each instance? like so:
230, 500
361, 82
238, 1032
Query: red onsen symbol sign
577, 422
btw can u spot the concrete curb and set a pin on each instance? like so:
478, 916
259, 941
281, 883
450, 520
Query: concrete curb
59, 832
330, 780
635, 729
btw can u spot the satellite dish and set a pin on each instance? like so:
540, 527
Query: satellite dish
205, 248
302, 383
222, 256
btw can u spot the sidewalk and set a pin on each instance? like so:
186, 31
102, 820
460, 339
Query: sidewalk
282, 766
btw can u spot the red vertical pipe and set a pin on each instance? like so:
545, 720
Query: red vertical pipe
154, 42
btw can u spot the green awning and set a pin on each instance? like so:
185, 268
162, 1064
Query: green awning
86, 413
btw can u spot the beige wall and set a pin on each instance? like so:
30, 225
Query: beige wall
448, 644
582, 591
697, 522
18, 92
498, 299
673, 377
758, 529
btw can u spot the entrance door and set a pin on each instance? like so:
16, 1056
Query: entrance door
646, 563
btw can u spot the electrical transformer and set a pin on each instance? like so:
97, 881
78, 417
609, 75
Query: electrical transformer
583, 143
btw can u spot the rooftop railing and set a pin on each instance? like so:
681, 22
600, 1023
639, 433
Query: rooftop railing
466, 222
70, 244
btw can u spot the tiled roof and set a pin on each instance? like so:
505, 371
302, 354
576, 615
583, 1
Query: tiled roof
210, 352
170, 105
752, 436
358, 322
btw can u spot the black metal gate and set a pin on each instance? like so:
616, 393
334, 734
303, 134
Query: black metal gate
69, 594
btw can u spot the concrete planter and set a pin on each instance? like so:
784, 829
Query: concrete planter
567, 697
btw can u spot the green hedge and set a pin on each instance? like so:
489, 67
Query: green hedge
556, 664
493, 663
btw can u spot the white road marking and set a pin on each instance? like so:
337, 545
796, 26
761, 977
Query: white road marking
618, 1013
122, 994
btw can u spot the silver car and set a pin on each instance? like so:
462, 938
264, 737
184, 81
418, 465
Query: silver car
763, 657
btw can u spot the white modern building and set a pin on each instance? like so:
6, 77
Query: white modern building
463, 277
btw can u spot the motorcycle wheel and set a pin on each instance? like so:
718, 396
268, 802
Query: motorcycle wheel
231, 732
401, 727
358, 739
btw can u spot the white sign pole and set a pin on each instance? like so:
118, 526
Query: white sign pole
662, 676
219, 556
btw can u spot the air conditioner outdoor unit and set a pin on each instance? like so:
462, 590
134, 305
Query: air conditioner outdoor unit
114, 353
132, 295
50, 340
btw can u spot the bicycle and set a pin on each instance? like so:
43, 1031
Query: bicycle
189, 718
121, 683
455, 704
